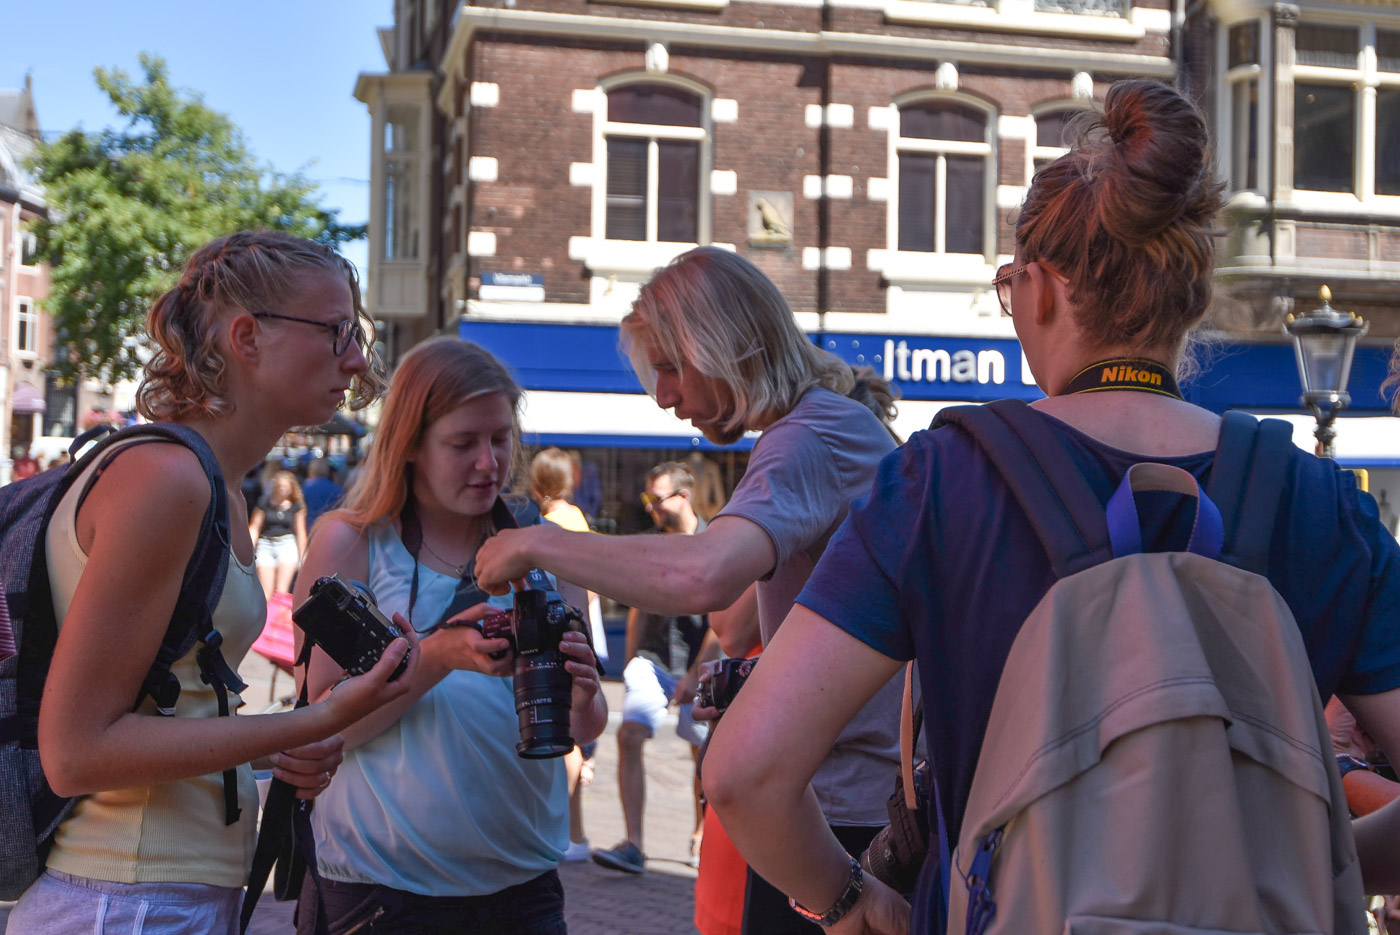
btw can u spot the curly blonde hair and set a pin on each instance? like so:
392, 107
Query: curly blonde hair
249, 270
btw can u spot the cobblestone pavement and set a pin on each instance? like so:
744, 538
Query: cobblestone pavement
597, 901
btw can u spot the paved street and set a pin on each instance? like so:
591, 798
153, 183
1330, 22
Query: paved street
598, 901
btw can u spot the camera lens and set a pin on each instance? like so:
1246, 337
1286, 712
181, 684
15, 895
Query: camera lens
543, 697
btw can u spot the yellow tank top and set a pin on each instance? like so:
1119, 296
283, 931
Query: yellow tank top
172, 832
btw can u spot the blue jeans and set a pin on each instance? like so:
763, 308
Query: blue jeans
61, 904
532, 908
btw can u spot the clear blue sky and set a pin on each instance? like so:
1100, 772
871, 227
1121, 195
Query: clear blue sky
283, 71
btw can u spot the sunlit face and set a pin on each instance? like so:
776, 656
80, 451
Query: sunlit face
701, 400
316, 379
665, 504
464, 458
281, 489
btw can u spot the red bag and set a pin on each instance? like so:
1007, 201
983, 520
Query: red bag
276, 643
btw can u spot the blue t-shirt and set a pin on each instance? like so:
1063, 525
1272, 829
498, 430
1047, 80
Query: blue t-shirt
939, 562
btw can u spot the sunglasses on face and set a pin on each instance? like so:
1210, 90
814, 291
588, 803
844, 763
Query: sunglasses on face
649, 500
343, 332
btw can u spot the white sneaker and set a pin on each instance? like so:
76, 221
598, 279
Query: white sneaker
577, 850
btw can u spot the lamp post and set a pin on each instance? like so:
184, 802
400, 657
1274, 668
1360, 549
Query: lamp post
1324, 341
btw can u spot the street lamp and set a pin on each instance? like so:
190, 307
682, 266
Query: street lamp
1324, 341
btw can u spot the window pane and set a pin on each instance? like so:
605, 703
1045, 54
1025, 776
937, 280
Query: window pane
1244, 138
964, 214
1323, 137
627, 189
1244, 44
678, 190
1388, 142
652, 103
1332, 46
402, 130
1387, 50
1050, 128
1086, 7
943, 122
400, 229
25, 339
918, 193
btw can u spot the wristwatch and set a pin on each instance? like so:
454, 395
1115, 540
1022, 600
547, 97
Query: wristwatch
1346, 763
843, 904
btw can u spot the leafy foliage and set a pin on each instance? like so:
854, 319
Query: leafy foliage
127, 206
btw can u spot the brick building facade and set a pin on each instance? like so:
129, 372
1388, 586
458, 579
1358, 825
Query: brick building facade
536, 160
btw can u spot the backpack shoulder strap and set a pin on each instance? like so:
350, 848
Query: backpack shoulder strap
1246, 483
1067, 515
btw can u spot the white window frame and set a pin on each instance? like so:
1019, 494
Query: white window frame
1035, 151
1367, 79
24, 310
414, 162
940, 265
605, 256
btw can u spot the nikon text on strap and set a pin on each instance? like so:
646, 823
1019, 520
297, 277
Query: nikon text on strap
1124, 373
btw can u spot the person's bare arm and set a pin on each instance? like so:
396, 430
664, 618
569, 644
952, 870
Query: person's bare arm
736, 626
634, 635
1368, 792
299, 528
255, 523
812, 679
89, 738
670, 575
1378, 834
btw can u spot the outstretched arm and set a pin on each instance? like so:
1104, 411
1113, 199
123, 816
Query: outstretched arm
669, 575
1378, 834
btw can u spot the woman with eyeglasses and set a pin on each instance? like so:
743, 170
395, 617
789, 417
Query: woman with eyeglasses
161, 840
434, 823
1114, 259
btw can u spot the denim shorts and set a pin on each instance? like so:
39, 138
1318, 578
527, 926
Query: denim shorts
279, 550
61, 904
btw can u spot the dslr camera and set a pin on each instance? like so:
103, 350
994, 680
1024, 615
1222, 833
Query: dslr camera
897, 853
341, 617
718, 691
543, 687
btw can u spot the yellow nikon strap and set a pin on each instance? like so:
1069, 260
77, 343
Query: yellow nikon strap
1124, 373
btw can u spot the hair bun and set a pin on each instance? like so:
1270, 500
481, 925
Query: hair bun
1154, 172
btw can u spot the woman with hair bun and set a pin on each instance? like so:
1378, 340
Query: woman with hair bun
263, 332
1114, 258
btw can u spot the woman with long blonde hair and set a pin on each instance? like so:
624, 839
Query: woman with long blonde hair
434, 823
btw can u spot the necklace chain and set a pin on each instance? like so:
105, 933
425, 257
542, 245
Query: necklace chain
457, 570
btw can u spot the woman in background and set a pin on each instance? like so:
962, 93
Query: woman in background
278, 526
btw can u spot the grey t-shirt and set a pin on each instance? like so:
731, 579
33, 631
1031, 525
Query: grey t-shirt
805, 470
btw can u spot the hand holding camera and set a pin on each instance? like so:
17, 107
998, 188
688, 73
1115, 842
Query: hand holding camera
720, 682
460, 643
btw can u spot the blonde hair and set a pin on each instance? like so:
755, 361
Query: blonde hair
552, 475
713, 310
432, 380
291, 479
249, 270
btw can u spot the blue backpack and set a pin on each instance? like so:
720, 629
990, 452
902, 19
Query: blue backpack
30, 811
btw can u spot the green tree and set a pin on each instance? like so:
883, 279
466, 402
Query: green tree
127, 206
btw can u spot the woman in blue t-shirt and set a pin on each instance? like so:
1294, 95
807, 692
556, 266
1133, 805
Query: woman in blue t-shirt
434, 823
1113, 259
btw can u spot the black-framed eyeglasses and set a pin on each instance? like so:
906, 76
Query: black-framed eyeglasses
343, 331
651, 500
1003, 284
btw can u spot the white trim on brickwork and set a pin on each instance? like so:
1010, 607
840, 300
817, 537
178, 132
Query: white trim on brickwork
724, 110
483, 168
836, 258
485, 94
1013, 16
724, 182
481, 243
965, 52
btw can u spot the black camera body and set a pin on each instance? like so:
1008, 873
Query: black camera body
341, 617
719, 690
543, 687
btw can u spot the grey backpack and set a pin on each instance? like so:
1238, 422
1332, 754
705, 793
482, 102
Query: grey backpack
1156, 759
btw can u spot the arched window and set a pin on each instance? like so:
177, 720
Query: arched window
654, 134
944, 156
1052, 134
